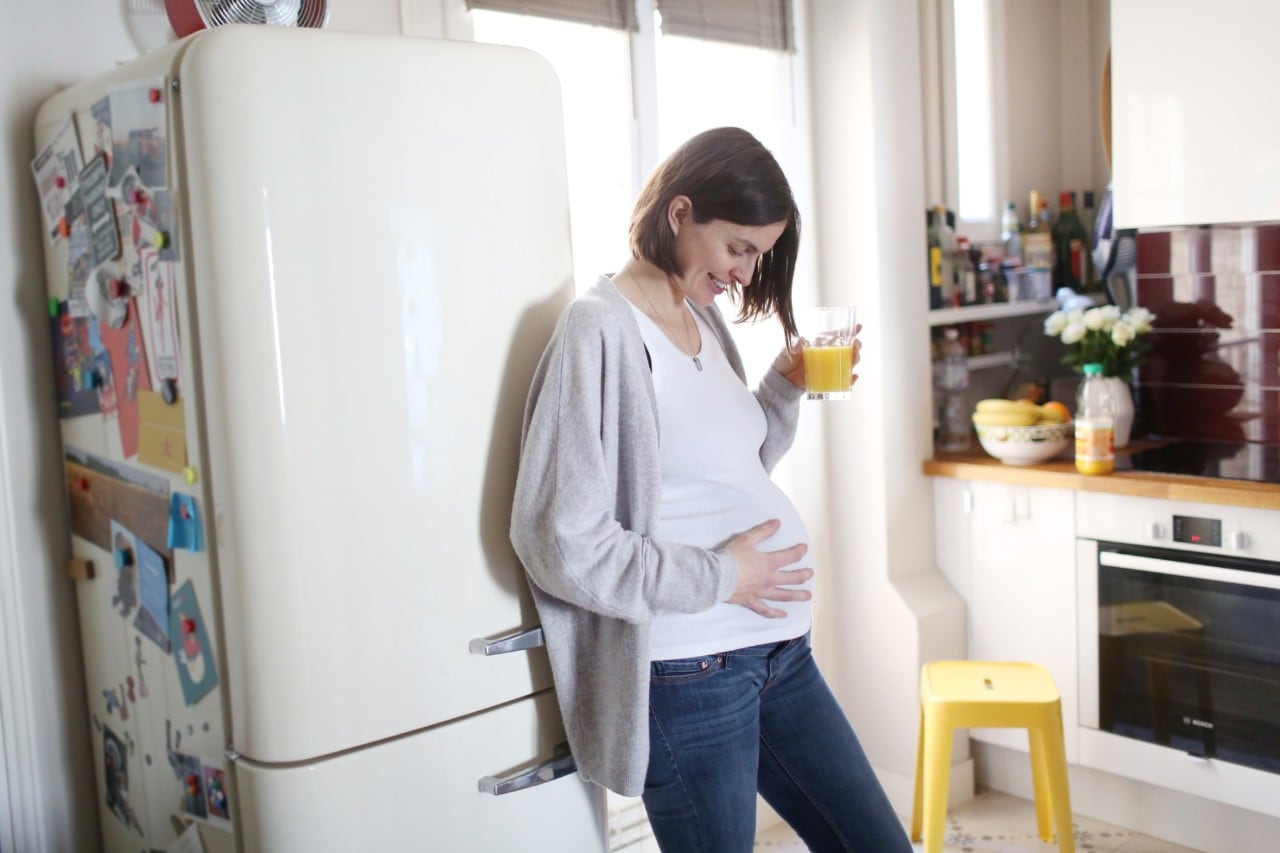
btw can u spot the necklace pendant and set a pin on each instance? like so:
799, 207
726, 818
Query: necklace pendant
697, 362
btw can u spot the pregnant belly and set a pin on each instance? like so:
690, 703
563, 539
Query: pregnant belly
715, 514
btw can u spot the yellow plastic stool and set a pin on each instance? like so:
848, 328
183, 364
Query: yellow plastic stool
966, 694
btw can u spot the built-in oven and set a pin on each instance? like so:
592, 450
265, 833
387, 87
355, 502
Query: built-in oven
1179, 653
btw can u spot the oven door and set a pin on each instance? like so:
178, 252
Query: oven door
1182, 653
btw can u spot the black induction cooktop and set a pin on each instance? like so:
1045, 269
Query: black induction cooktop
1228, 460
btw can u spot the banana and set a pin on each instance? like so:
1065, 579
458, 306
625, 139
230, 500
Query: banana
999, 404
1026, 417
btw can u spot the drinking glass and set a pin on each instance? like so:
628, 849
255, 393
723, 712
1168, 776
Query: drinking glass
827, 334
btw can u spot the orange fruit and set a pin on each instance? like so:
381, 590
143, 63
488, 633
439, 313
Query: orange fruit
1059, 408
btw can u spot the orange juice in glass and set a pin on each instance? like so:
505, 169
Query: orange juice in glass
827, 335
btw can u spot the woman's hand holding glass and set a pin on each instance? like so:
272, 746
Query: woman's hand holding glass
790, 361
761, 578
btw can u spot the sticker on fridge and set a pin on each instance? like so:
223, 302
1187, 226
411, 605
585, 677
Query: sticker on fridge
116, 767
72, 360
161, 316
139, 132
56, 170
192, 652
129, 372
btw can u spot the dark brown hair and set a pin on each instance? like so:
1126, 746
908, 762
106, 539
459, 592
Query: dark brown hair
730, 176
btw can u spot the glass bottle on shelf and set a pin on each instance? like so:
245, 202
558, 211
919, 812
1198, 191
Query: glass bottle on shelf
1071, 246
1088, 218
952, 372
934, 234
1037, 242
1011, 233
966, 274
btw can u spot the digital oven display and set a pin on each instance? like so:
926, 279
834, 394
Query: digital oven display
1197, 531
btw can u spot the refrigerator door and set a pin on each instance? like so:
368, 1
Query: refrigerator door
423, 792
148, 733
380, 251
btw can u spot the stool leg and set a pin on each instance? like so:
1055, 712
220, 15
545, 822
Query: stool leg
937, 772
916, 803
1040, 783
1055, 755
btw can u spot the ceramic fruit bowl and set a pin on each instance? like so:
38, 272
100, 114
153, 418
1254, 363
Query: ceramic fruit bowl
1024, 445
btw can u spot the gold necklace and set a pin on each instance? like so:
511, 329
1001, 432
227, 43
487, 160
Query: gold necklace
691, 334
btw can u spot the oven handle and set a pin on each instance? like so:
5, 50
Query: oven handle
1187, 570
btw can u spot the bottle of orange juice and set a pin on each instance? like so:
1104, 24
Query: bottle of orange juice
1095, 442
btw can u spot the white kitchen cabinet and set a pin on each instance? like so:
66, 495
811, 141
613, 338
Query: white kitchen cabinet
1193, 140
1010, 553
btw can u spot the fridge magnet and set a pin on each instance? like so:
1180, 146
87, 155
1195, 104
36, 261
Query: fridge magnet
139, 133
152, 619
57, 170
197, 670
107, 294
127, 354
161, 315
116, 767
184, 523
72, 359
104, 237
162, 436
124, 555
100, 490
153, 227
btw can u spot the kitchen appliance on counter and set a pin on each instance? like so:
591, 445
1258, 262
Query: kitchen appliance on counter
1179, 658
299, 281
1259, 463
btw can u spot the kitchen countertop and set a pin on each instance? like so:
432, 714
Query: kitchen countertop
1060, 473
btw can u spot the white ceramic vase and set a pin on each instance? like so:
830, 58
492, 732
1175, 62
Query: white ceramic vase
1122, 416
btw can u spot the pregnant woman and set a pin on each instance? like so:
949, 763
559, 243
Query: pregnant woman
669, 571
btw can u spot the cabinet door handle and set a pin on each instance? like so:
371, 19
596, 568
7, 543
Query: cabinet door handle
520, 641
560, 764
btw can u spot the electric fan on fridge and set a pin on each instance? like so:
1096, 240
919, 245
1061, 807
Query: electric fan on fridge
187, 16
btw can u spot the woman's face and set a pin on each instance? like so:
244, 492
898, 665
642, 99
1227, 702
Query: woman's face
713, 255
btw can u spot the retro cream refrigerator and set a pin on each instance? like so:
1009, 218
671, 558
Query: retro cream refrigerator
298, 283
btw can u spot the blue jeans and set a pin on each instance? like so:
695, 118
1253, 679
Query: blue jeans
762, 718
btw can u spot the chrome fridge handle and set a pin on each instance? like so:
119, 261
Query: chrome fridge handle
560, 764
517, 642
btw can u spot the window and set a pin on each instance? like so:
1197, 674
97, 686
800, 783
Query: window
975, 158
595, 75
632, 96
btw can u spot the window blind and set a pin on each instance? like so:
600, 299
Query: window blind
618, 14
760, 23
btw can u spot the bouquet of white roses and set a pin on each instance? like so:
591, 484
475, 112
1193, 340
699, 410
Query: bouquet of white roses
1102, 335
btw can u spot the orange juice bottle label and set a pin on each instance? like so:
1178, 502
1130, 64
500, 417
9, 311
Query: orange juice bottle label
1095, 448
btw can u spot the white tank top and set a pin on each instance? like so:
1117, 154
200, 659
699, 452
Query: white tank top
713, 487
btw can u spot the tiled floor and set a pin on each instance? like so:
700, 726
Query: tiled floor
998, 823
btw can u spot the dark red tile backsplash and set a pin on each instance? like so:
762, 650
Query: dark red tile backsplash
1213, 370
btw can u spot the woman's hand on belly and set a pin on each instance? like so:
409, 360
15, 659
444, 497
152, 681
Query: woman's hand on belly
761, 578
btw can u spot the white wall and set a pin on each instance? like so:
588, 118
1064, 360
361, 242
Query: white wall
47, 794
891, 610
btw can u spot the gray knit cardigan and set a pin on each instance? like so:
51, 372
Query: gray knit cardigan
586, 505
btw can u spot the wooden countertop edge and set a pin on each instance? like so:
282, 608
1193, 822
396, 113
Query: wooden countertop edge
1063, 475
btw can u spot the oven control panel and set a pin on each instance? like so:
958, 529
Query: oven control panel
1197, 531
1217, 528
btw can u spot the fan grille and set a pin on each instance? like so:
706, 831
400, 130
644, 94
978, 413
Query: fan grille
285, 13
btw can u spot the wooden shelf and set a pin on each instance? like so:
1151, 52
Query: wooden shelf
995, 311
